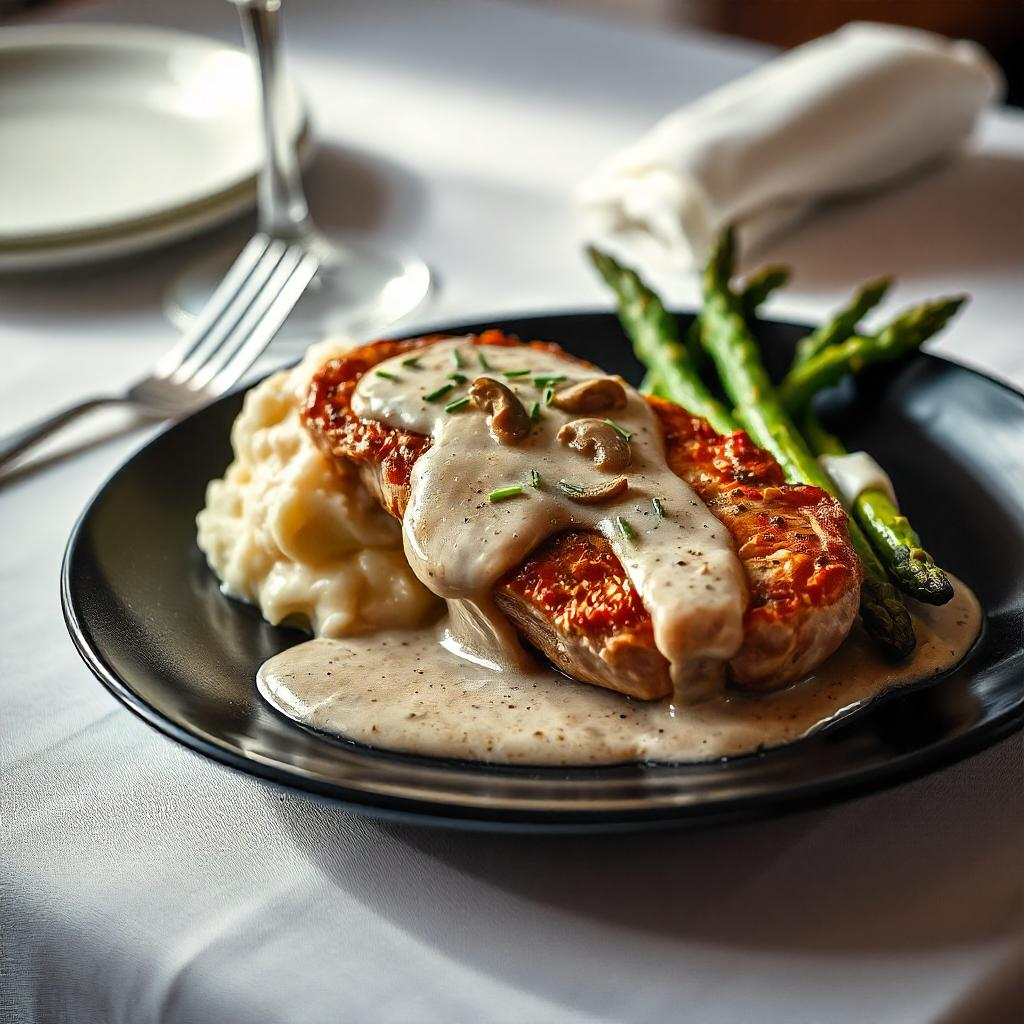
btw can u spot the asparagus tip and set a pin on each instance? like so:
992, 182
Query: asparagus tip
886, 619
722, 261
615, 275
596, 257
919, 576
947, 308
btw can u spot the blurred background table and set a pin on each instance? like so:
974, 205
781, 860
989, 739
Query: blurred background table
139, 882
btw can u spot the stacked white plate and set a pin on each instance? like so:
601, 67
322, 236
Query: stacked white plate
115, 139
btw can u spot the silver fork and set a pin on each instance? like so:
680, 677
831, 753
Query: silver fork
255, 296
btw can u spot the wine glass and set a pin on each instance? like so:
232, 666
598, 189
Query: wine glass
363, 283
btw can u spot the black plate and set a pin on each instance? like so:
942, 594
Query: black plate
147, 616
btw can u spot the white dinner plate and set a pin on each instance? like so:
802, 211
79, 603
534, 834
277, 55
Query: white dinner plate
116, 138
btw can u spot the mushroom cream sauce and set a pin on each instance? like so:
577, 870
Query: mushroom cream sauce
490, 489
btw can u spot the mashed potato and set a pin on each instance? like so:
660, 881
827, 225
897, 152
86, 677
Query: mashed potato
286, 531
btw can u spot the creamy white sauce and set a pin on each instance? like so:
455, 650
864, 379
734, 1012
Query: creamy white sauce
405, 691
459, 543
855, 473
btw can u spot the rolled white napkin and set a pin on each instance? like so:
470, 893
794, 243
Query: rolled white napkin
850, 111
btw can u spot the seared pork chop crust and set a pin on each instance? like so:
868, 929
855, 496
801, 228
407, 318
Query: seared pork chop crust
573, 600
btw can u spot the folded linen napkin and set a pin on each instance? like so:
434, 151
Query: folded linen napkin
850, 111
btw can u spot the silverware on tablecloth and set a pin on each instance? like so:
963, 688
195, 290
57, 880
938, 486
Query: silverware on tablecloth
255, 296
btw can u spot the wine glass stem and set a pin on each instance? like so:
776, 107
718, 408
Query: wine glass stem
283, 211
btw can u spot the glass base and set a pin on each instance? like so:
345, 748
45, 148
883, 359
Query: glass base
363, 286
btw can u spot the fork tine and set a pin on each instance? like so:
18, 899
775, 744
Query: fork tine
171, 361
223, 330
263, 332
257, 309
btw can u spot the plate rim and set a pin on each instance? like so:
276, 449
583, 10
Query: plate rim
807, 795
123, 235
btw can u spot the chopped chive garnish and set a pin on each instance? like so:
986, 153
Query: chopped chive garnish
384, 374
504, 493
570, 488
534, 477
535, 411
549, 393
439, 393
658, 507
543, 382
457, 359
413, 361
620, 430
484, 365
625, 529
516, 373
459, 378
456, 405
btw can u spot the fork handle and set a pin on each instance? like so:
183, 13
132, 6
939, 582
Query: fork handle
18, 441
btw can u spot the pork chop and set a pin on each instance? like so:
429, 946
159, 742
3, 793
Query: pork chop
573, 600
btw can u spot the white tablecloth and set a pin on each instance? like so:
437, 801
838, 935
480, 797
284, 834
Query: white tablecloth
141, 883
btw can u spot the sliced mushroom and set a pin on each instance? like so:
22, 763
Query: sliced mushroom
600, 440
594, 395
595, 495
508, 420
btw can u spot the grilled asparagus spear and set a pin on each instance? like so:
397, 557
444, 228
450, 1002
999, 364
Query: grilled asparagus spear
893, 538
905, 334
760, 409
755, 293
890, 533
